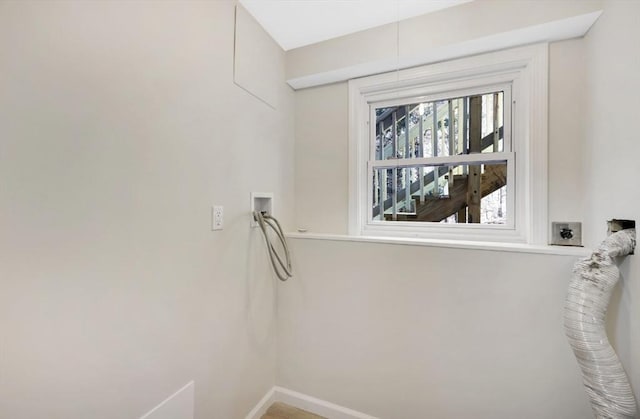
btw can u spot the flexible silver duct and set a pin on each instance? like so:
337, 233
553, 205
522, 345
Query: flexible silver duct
584, 321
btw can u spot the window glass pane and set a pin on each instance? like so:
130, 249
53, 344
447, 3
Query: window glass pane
464, 193
493, 207
461, 125
492, 122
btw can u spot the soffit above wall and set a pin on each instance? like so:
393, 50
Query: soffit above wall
472, 28
293, 24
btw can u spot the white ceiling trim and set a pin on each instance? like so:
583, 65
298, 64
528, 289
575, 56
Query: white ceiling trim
574, 27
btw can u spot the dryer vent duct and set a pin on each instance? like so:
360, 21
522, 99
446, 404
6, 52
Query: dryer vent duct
593, 281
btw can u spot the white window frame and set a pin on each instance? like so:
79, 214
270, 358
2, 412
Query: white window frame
526, 70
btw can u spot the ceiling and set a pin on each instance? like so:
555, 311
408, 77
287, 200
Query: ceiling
296, 23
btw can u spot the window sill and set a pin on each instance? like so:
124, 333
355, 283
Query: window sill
453, 244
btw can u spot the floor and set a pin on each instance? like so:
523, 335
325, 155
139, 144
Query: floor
284, 411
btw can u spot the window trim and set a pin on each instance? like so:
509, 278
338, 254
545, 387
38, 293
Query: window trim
527, 69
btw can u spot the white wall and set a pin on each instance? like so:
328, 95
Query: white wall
412, 332
402, 332
612, 150
322, 159
567, 98
120, 126
383, 328
469, 28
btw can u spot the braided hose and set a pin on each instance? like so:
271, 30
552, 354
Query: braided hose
592, 283
282, 268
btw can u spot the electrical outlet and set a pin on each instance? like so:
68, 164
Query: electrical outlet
217, 217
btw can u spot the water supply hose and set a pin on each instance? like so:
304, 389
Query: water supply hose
281, 267
592, 283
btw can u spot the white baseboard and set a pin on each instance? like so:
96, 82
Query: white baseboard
262, 406
308, 403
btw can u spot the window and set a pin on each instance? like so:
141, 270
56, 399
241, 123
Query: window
443, 159
454, 150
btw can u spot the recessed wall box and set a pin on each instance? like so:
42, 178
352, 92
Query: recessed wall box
261, 201
617, 225
566, 233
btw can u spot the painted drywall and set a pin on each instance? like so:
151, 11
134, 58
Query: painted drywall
120, 127
322, 158
402, 331
179, 405
611, 157
406, 331
295, 24
567, 98
322, 146
467, 29
252, 46
413, 332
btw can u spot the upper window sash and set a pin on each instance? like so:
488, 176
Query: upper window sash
474, 90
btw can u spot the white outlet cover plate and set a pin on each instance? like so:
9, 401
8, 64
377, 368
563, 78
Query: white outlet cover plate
217, 217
